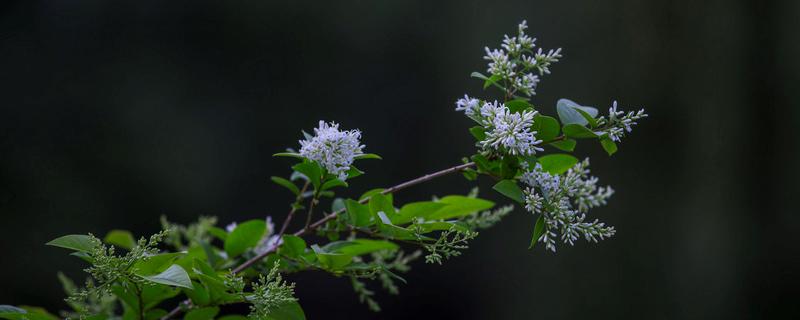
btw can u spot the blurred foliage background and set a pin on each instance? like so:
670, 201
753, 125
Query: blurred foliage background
114, 113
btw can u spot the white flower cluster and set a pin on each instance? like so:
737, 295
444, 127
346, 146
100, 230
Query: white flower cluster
506, 131
509, 131
564, 201
515, 61
470, 106
333, 149
619, 122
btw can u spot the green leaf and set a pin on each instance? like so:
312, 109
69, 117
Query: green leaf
508, 167
129, 299
218, 233
571, 113
217, 290
492, 80
5, 309
77, 242
156, 263
470, 174
24, 313
120, 238
233, 317
431, 226
289, 311
359, 247
578, 131
83, 255
413, 210
358, 214
154, 295
288, 154
589, 119
557, 163
591, 111
373, 192
478, 132
311, 170
38, 313
337, 205
608, 145
353, 172
518, 105
538, 230
568, 114
286, 184
484, 165
510, 189
173, 276
546, 128
458, 206
207, 313
565, 145
292, 246
381, 203
487, 80
478, 75
333, 184
245, 236
204, 268
368, 156
331, 261
391, 231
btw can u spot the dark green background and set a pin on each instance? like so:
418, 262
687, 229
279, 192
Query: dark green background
116, 113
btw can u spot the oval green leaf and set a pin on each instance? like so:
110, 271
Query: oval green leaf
175, 276
77, 242
557, 163
510, 189
245, 236
120, 238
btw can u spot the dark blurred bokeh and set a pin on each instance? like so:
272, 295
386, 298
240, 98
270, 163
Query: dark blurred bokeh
116, 113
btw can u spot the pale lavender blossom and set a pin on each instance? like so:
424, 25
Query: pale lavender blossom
508, 131
560, 195
230, 227
619, 122
333, 149
470, 106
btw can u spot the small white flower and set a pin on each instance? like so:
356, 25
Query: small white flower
533, 201
268, 244
509, 131
333, 149
527, 84
230, 227
618, 122
468, 105
560, 195
500, 64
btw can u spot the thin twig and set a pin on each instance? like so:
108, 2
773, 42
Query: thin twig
327, 218
388, 191
310, 210
296, 204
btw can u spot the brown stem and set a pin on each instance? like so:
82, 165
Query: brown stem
387, 191
297, 203
327, 218
556, 139
310, 210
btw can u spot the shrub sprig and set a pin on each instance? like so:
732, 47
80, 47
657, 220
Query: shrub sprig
366, 238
